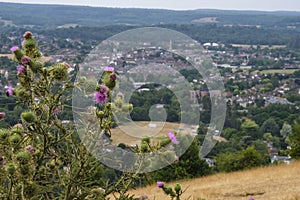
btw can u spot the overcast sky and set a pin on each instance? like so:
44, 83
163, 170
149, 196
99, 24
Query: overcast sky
269, 5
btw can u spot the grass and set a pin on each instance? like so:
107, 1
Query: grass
132, 133
267, 183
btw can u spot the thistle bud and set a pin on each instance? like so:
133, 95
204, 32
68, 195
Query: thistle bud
10, 168
164, 142
28, 116
146, 140
144, 147
58, 72
177, 188
100, 114
51, 164
30, 44
36, 66
21, 92
3, 134
24, 170
168, 190
98, 191
130, 107
15, 139
23, 157
113, 77
108, 106
17, 130
25, 60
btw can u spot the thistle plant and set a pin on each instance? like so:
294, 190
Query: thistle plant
42, 157
173, 193
45, 157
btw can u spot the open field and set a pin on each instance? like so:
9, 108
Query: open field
276, 71
206, 20
11, 56
281, 182
6, 22
247, 46
132, 133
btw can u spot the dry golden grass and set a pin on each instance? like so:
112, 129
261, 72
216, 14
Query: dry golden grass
132, 133
6, 22
11, 56
281, 182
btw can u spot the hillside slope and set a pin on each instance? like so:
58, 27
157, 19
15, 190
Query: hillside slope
51, 16
281, 182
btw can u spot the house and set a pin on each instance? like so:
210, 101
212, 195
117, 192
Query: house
210, 162
278, 100
284, 159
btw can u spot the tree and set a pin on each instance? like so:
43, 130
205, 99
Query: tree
250, 128
270, 126
295, 141
248, 158
189, 165
285, 130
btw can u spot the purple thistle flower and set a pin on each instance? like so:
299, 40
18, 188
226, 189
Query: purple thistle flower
20, 69
173, 138
109, 69
113, 77
14, 49
25, 60
30, 149
23, 43
120, 95
2, 115
251, 198
10, 91
160, 184
100, 98
144, 197
27, 35
56, 111
103, 89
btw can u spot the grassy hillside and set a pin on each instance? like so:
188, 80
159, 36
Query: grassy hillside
280, 182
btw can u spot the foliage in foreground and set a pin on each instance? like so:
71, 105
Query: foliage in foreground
42, 157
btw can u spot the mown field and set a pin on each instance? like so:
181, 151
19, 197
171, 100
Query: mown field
277, 182
132, 133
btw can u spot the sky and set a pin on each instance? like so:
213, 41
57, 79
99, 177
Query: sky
267, 5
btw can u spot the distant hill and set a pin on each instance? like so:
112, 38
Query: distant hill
51, 16
267, 183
